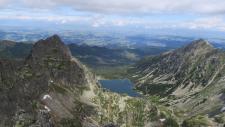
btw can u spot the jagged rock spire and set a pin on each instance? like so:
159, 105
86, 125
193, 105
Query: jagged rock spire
50, 47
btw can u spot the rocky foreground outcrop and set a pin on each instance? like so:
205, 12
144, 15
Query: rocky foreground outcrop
44, 89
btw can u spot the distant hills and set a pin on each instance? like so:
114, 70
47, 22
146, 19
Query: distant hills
14, 50
93, 56
102, 56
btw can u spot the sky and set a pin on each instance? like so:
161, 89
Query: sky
147, 14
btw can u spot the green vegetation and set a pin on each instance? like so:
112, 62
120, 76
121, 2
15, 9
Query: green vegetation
131, 112
220, 118
25, 73
156, 89
170, 122
58, 88
20, 124
197, 121
79, 112
24, 121
35, 104
71, 122
54, 63
154, 99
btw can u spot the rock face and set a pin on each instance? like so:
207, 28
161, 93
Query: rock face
44, 89
178, 72
53, 55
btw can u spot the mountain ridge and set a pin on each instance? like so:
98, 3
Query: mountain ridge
174, 66
190, 79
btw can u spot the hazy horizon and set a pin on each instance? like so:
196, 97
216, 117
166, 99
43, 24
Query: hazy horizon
185, 18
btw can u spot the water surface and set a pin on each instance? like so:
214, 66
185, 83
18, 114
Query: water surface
121, 86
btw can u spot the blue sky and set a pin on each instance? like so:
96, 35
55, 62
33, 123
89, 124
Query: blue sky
148, 14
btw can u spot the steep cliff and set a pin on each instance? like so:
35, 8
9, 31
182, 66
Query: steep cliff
45, 88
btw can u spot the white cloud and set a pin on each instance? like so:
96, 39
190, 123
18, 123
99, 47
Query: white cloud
4, 3
208, 14
42, 16
147, 6
130, 6
124, 22
216, 23
97, 21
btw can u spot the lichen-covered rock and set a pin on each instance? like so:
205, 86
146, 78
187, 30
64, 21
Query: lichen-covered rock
43, 119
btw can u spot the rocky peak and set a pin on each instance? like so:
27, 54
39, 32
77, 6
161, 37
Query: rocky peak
200, 44
50, 47
189, 67
54, 38
50, 71
52, 57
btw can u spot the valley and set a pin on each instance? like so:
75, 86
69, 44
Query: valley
167, 91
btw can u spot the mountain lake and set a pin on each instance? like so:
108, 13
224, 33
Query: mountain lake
121, 86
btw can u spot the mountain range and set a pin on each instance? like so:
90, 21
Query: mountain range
49, 87
92, 56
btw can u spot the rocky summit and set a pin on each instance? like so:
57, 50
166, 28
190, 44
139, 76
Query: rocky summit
42, 90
